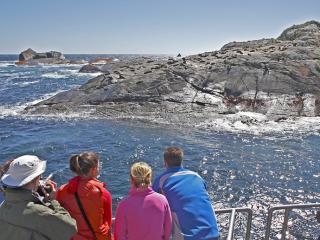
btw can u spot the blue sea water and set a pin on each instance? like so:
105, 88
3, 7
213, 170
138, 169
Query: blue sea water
241, 169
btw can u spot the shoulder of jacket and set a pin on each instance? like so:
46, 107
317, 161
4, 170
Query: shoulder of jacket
35, 208
96, 184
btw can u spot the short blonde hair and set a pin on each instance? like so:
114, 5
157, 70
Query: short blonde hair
141, 174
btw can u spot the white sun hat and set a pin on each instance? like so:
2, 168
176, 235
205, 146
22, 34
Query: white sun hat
23, 170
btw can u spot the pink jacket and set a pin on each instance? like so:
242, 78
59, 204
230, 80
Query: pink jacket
144, 214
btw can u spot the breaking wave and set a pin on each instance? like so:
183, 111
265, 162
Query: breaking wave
255, 123
4, 64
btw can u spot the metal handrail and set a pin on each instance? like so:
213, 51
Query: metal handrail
287, 209
233, 212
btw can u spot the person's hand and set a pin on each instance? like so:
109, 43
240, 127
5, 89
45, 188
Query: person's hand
48, 190
53, 187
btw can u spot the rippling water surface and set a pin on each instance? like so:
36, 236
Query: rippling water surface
240, 169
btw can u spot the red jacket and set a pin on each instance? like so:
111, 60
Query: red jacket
96, 202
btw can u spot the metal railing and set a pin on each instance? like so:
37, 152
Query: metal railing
233, 212
287, 209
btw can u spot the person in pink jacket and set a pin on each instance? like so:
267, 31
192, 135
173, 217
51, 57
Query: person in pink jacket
144, 214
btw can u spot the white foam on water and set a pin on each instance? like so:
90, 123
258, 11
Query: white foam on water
257, 124
55, 75
25, 84
75, 72
6, 64
48, 66
6, 111
88, 74
65, 73
43, 97
17, 109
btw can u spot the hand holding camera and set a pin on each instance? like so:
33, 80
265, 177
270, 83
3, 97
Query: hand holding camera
48, 188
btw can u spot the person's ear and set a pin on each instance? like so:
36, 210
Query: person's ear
94, 172
165, 163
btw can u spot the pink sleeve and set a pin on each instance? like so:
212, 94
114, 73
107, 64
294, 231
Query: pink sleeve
107, 205
167, 223
120, 227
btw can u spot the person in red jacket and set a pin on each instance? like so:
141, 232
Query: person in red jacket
93, 198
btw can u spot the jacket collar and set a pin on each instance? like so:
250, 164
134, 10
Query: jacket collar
19, 195
174, 169
140, 191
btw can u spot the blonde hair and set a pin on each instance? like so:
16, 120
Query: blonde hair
141, 174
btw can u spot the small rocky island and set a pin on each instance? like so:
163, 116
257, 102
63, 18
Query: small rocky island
31, 57
278, 78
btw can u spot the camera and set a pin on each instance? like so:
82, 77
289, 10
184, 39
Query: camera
44, 187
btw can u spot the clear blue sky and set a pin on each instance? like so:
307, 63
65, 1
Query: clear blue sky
144, 26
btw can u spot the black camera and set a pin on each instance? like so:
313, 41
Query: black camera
44, 187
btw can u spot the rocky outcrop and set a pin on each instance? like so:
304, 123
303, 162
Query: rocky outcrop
90, 68
279, 78
30, 57
27, 55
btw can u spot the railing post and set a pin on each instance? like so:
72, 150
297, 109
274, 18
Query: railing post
249, 222
269, 219
285, 224
231, 227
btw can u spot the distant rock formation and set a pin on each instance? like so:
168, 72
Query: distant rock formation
31, 57
279, 78
27, 55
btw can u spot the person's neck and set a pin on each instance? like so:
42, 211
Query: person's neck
180, 166
86, 176
30, 186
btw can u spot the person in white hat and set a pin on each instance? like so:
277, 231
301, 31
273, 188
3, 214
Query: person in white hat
24, 214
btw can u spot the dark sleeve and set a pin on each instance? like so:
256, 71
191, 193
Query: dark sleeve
155, 185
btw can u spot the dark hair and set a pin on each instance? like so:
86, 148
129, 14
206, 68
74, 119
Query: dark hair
3, 169
83, 162
173, 156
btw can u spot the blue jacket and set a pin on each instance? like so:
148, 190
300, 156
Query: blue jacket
192, 212
1, 197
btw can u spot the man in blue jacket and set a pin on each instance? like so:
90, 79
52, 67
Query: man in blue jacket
192, 212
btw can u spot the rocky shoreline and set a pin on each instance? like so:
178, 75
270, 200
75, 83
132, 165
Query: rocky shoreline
279, 78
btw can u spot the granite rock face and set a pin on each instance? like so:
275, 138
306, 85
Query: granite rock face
279, 78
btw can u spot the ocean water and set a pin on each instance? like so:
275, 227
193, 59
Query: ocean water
244, 166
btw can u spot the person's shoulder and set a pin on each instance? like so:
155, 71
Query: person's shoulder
157, 178
96, 184
188, 171
159, 196
38, 209
123, 202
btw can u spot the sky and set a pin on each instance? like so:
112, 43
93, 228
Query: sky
144, 26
